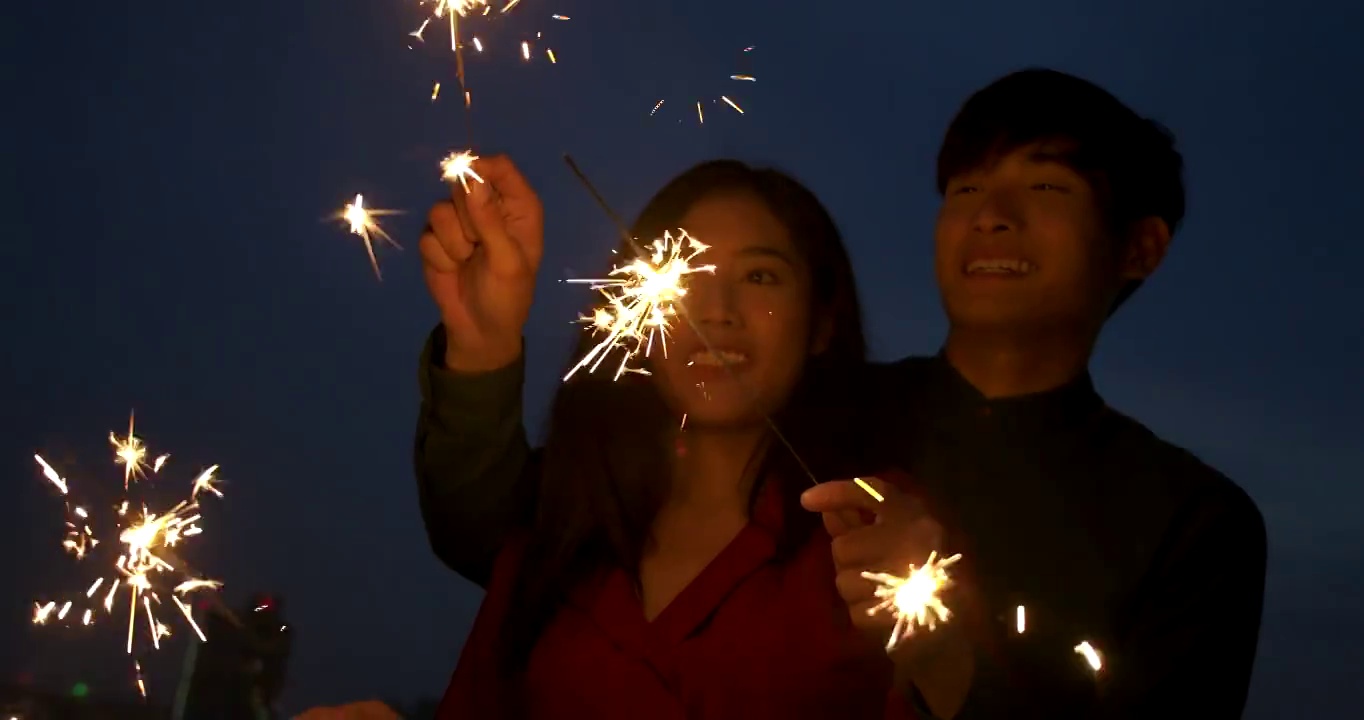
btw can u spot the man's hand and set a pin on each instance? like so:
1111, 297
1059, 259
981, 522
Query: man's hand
367, 710
480, 252
889, 535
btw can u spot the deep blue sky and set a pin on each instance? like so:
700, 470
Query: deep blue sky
163, 252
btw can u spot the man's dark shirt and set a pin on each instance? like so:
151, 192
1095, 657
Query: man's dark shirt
1103, 533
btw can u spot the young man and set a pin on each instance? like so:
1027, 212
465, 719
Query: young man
1058, 201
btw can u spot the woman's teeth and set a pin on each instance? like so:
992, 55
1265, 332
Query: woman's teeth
718, 358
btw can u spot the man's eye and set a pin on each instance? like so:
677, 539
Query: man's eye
1048, 186
965, 189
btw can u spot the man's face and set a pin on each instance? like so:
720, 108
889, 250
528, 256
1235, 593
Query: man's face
1021, 244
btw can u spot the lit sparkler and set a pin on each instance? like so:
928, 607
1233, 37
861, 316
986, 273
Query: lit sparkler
145, 567
700, 113
914, 599
641, 297
459, 167
363, 222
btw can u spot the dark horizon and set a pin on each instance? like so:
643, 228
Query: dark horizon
172, 164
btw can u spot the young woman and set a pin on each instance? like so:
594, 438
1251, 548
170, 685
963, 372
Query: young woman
670, 571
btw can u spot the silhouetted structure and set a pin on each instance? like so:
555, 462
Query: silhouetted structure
240, 672
424, 709
31, 704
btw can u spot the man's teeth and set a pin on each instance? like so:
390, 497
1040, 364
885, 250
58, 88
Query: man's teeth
999, 267
717, 358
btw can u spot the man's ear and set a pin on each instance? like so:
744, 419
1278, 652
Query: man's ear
1147, 242
823, 333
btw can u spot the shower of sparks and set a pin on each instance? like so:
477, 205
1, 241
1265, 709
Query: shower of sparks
363, 222
145, 568
640, 301
459, 167
451, 12
913, 599
1090, 655
1020, 619
700, 112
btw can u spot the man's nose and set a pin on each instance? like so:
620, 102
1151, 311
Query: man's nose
997, 212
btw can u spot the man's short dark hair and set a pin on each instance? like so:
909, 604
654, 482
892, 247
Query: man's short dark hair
1130, 160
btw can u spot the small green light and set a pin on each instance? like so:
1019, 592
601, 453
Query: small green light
80, 689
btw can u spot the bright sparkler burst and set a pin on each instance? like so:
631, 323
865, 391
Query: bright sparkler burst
451, 11
700, 113
363, 222
144, 566
641, 300
459, 167
914, 599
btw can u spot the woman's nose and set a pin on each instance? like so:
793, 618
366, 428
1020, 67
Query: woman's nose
711, 301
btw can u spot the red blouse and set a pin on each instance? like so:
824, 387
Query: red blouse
749, 638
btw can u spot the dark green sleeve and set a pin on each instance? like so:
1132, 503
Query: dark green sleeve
475, 472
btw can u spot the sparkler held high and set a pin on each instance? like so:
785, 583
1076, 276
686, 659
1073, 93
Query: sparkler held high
457, 166
144, 566
363, 221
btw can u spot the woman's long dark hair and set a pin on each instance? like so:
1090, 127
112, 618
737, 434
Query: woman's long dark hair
606, 469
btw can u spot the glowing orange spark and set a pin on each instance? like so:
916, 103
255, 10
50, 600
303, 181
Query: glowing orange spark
878, 497
1090, 655
700, 114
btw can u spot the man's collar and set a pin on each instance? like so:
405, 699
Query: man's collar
953, 394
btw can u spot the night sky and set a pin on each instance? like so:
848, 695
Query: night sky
169, 164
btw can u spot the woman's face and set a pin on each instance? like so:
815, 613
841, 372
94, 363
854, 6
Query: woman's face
754, 314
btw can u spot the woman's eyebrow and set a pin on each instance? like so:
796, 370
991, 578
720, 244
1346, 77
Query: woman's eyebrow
766, 251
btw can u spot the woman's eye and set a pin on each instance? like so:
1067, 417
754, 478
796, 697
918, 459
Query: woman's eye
1048, 186
761, 277
965, 189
